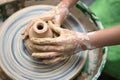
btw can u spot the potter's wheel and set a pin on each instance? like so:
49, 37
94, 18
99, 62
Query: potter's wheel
17, 62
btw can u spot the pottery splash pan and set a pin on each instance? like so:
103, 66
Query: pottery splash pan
18, 64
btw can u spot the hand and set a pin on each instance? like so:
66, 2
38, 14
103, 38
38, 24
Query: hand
66, 44
56, 15
43, 17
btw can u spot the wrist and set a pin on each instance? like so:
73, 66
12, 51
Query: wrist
85, 41
62, 8
64, 3
61, 12
69, 3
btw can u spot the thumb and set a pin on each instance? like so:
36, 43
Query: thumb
55, 27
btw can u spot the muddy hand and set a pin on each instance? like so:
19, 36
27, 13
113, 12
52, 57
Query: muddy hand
49, 16
54, 15
67, 43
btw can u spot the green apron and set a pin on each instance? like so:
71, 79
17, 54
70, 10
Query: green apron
108, 11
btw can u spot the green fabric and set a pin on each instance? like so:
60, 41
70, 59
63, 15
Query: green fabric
108, 11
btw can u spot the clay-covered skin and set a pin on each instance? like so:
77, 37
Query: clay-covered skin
40, 27
40, 22
37, 28
46, 40
67, 43
57, 47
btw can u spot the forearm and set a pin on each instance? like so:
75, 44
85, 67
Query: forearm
105, 37
67, 3
62, 10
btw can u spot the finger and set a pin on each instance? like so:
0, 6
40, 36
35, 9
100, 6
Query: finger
48, 48
52, 24
55, 27
56, 32
44, 41
30, 46
55, 60
46, 55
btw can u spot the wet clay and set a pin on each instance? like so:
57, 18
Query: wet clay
36, 29
40, 29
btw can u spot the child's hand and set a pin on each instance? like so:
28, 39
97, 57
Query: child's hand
63, 46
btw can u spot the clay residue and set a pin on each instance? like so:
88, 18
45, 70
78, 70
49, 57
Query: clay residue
36, 29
